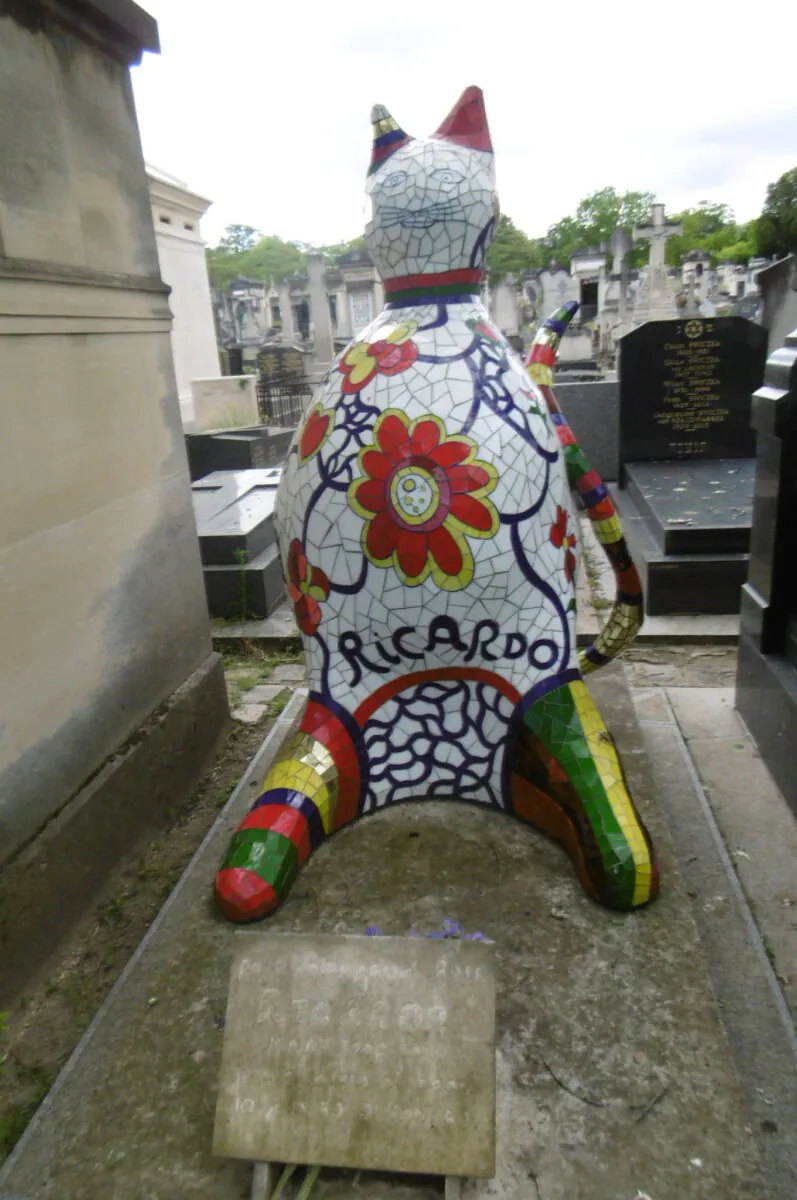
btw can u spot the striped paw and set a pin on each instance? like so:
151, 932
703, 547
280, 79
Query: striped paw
567, 780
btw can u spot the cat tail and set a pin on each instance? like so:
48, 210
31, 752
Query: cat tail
627, 612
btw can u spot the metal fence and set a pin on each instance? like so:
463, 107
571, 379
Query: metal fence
282, 401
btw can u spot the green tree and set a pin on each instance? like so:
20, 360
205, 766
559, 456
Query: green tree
337, 249
238, 239
709, 227
274, 259
511, 252
594, 221
776, 231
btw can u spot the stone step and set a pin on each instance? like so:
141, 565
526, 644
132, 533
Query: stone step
247, 591
679, 583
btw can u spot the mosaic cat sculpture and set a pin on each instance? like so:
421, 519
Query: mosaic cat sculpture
426, 530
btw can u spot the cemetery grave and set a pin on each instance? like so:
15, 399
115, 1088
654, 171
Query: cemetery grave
236, 449
234, 513
685, 458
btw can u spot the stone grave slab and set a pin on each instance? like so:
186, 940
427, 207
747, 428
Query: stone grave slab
234, 514
235, 524
685, 456
707, 507
372, 1053
614, 1073
236, 449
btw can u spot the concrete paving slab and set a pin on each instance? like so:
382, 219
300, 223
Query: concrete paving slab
249, 714
614, 1073
263, 693
651, 705
760, 832
754, 1010
706, 712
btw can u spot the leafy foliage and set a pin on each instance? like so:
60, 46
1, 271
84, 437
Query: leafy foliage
776, 231
713, 229
245, 251
512, 252
595, 220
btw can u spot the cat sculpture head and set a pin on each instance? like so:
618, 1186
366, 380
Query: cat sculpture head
434, 200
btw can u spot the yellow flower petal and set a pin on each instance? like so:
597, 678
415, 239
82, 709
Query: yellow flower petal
356, 354
363, 369
402, 332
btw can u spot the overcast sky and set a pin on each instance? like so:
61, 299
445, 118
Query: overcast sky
264, 107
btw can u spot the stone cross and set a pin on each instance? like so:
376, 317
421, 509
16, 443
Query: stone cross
655, 300
657, 232
619, 245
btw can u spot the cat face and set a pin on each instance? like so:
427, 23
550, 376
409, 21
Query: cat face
433, 199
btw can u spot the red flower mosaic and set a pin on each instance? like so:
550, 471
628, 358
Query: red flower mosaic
422, 494
390, 355
306, 587
315, 431
562, 539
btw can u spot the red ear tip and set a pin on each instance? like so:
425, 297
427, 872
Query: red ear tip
466, 124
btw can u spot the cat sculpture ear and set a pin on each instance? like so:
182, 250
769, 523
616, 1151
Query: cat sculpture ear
388, 137
466, 124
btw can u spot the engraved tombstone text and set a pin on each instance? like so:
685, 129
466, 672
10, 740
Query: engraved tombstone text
375, 1053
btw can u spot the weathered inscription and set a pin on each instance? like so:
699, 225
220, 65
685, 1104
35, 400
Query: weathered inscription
360, 1052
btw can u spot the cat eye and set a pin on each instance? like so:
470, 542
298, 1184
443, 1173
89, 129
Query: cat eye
393, 181
446, 175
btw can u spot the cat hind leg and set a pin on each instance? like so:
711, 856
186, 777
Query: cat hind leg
566, 779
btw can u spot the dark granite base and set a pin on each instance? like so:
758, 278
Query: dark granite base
766, 698
696, 507
236, 449
679, 583
239, 593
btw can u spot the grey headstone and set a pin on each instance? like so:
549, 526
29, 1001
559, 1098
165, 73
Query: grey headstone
372, 1053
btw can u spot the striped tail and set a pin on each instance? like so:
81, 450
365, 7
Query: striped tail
627, 613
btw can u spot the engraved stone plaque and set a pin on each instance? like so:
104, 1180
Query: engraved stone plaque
375, 1053
686, 389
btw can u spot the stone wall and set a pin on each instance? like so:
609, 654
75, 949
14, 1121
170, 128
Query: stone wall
592, 411
104, 613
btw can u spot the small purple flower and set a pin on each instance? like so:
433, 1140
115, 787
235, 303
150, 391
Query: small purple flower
438, 935
475, 937
373, 931
453, 927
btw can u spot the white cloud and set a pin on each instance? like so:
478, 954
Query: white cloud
265, 107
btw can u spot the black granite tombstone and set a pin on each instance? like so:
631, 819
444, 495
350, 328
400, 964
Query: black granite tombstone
236, 449
685, 458
686, 389
234, 518
766, 681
